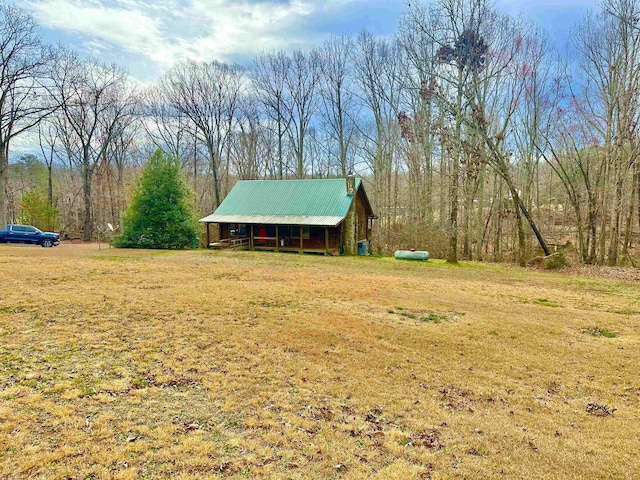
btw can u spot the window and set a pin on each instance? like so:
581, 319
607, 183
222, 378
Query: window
295, 232
238, 230
30, 230
18, 228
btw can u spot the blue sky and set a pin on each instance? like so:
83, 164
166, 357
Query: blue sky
148, 36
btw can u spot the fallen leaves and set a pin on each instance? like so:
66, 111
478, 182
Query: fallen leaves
457, 399
598, 410
427, 439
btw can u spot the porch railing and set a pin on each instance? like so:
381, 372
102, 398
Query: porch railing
231, 243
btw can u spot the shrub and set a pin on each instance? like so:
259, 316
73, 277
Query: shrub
37, 211
555, 261
161, 214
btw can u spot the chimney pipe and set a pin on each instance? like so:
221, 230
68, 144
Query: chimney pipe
351, 184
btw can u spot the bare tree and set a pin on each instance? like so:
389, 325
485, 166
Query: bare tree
420, 113
24, 68
489, 57
248, 142
48, 138
207, 94
301, 83
461, 54
165, 125
606, 95
378, 91
269, 75
119, 153
94, 99
338, 100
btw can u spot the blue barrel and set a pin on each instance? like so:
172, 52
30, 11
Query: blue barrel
363, 247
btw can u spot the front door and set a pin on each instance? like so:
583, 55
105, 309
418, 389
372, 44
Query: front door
31, 235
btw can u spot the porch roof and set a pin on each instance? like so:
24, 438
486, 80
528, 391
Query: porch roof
312, 220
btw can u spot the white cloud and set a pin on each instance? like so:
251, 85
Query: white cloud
169, 30
128, 28
242, 27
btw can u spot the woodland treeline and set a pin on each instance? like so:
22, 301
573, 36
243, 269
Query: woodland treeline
476, 137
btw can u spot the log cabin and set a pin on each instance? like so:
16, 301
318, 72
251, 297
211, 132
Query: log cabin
329, 216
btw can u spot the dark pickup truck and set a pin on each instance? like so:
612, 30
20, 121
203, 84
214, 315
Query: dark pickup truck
28, 234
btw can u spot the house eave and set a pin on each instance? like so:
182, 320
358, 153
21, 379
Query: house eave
308, 220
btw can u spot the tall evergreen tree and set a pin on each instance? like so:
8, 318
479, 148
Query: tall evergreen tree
161, 214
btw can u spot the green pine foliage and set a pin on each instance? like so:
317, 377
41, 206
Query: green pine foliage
161, 214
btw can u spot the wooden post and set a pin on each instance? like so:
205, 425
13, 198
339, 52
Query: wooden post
208, 241
326, 240
251, 237
277, 239
301, 244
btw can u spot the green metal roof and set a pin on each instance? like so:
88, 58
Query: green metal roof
287, 202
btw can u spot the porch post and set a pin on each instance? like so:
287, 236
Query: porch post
208, 241
277, 240
301, 245
326, 240
251, 237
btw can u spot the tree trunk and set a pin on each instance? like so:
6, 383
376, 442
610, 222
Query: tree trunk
519, 209
603, 213
466, 221
615, 229
452, 257
50, 182
638, 189
4, 174
214, 171
593, 231
120, 187
628, 233
280, 135
195, 175
300, 154
480, 227
113, 195
443, 191
343, 146
502, 168
534, 227
583, 247
86, 189
497, 253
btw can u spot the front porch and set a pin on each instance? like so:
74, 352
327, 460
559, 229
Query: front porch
278, 238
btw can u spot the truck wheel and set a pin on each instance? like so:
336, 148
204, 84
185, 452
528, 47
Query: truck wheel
47, 243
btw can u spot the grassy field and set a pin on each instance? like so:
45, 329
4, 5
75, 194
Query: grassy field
144, 364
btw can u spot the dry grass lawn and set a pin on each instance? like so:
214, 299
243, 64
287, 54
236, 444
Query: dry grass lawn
143, 364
